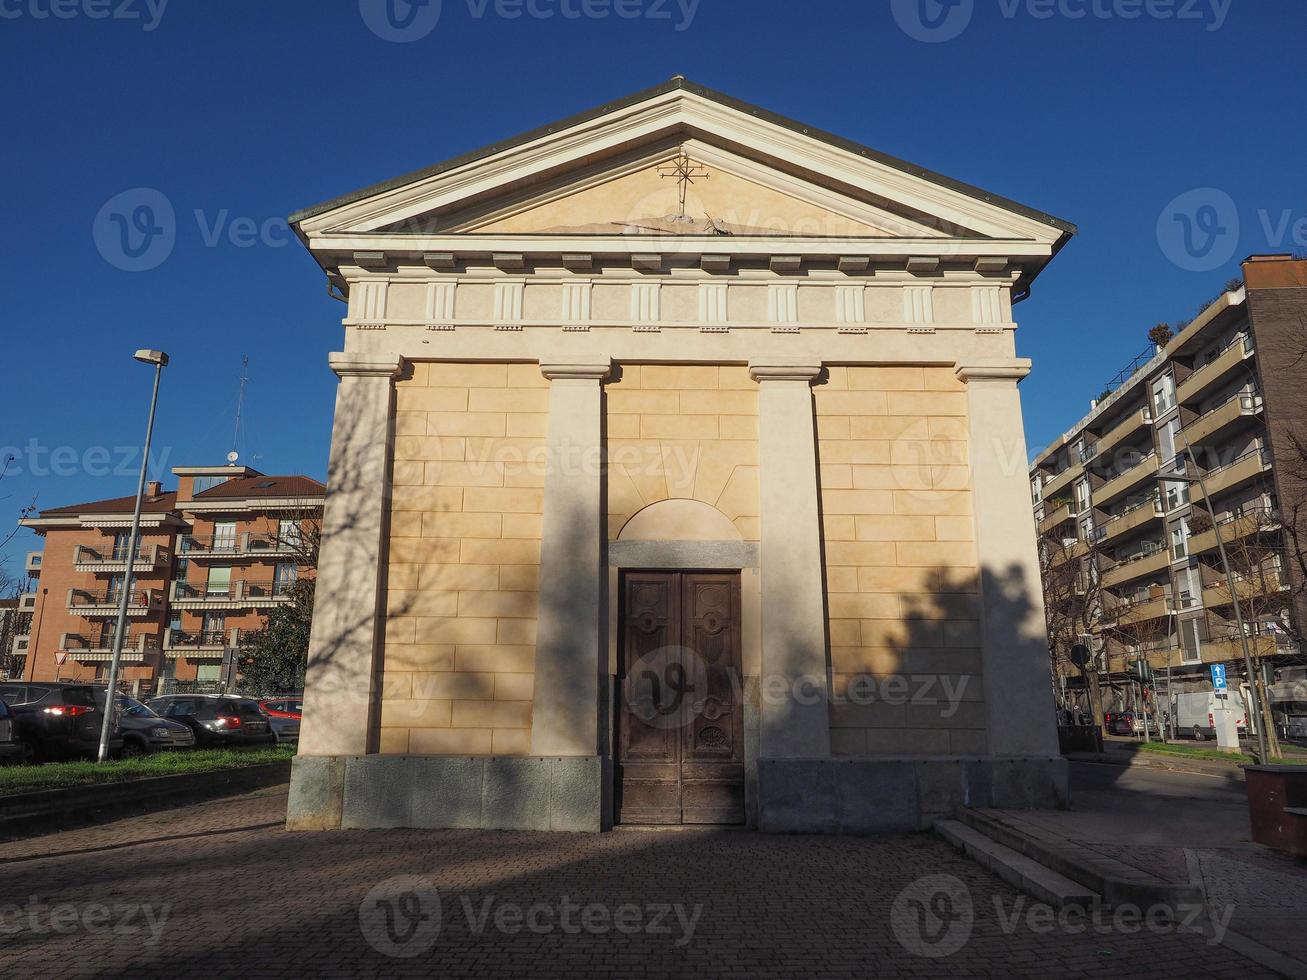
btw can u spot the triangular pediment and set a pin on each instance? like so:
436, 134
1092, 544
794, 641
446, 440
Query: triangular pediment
610, 173
724, 194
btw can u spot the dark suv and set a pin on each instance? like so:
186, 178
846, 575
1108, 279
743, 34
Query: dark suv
54, 721
218, 720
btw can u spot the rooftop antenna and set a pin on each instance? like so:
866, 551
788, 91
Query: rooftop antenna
240, 404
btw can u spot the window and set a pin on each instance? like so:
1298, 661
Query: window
122, 543
1190, 641
213, 624
1087, 528
290, 535
1177, 495
283, 577
114, 587
181, 569
203, 483
224, 536
1082, 496
1163, 394
219, 582
1179, 540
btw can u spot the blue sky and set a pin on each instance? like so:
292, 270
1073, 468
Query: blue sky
1102, 112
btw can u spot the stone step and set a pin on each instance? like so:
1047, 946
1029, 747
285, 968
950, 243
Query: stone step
1116, 883
1016, 869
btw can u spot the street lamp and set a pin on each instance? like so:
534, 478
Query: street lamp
1255, 709
160, 360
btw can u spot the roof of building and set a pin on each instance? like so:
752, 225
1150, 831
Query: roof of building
264, 486
681, 83
118, 505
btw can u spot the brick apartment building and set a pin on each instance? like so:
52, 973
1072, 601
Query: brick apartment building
1227, 392
214, 556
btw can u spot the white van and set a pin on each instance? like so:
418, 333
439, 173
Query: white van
1192, 714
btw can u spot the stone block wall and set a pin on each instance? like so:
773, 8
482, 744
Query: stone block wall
900, 555
683, 431
461, 585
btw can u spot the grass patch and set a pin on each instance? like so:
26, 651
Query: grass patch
1192, 752
61, 775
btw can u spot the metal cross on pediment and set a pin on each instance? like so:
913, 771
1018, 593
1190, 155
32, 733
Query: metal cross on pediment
685, 171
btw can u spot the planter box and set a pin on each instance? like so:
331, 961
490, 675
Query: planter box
1277, 806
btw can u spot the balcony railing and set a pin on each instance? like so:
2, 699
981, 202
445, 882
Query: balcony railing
1235, 527
1236, 472
1202, 378
1131, 424
1134, 516
88, 559
1152, 559
77, 646
1125, 481
245, 544
243, 592
1216, 420
1061, 480
106, 601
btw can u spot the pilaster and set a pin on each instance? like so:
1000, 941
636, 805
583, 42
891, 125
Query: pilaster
795, 720
348, 621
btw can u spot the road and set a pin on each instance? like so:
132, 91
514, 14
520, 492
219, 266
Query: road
1095, 778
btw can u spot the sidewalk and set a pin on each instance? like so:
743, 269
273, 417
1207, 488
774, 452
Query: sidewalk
1183, 829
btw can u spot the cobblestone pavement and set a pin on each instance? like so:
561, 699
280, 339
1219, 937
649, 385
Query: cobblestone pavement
220, 890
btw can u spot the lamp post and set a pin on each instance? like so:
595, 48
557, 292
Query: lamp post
1255, 709
160, 360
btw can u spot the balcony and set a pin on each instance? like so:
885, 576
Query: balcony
1059, 516
1247, 587
1147, 562
1127, 428
1218, 422
105, 602
199, 645
245, 594
1121, 484
1235, 528
1062, 480
87, 559
33, 566
1216, 371
75, 646
27, 603
1130, 612
1132, 518
244, 545
20, 646
1247, 467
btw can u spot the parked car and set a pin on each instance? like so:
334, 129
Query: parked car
284, 713
9, 749
217, 720
144, 731
54, 720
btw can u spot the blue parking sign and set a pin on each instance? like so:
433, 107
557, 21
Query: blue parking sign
1218, 677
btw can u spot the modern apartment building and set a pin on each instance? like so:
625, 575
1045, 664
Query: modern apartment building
1205, 428
214, 556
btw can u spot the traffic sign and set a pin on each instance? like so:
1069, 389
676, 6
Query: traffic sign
1218, 677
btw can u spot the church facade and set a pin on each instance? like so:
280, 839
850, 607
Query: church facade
677, 476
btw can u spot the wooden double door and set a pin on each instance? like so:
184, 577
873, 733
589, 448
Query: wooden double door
680, 720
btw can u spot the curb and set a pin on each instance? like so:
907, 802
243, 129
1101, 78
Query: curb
53, 809
1196, 767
